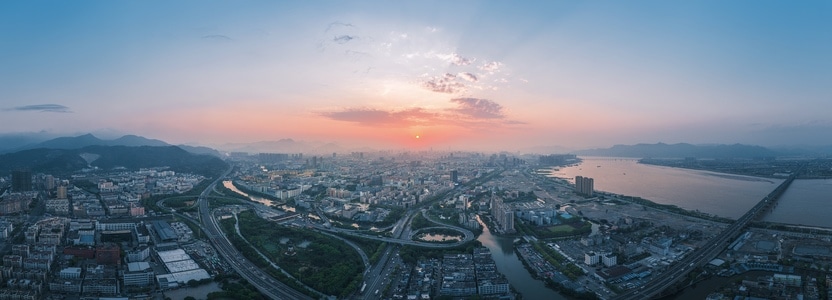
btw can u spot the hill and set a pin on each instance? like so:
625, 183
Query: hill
65, 161
24, 142
662, 150
81, 141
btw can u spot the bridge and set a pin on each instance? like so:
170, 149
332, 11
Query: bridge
701, 256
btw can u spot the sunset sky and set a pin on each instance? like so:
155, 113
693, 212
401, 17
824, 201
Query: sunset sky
460, 74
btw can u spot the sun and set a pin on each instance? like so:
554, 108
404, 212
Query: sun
417, 137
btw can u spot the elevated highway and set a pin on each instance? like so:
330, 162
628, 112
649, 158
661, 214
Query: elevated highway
262, 281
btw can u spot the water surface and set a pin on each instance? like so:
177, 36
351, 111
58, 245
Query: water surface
725, 195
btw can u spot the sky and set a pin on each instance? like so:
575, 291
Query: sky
466, 75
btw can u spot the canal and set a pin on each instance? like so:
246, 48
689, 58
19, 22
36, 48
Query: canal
502, 251
229, 185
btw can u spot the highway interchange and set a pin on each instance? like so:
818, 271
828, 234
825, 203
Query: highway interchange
376, 275
274, 289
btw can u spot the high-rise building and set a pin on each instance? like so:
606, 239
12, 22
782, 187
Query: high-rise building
49, 182
454, 176
584, 186
503, 215
591, 258
61, 192
21, 181
609, 259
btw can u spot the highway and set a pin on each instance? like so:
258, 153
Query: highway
703, 255
375, 278
262, 281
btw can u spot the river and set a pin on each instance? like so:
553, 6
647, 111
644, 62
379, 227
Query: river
229, 185
502, 250
721, 194
806, 202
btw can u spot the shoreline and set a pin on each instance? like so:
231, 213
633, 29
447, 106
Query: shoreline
673, 209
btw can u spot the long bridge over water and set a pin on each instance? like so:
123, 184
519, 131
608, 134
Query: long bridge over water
659, 285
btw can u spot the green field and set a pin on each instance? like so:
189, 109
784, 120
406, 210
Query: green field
324, 263
561, 228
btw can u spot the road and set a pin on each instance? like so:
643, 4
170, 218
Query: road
469, 235
375, 278
262, 281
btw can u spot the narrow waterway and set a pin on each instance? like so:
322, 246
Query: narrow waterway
502, 250
229, 185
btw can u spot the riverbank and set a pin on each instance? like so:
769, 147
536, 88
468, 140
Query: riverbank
508, 263
548, 273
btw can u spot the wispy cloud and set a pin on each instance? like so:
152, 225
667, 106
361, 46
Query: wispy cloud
56, 108
337, 24
478, 108
465, 112
444, 84
375, 117
468, 76
343, 39
491, 67
455, 59
217, 37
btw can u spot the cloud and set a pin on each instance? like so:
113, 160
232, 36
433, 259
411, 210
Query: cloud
57, 108
455, 59
466, 113
478, 108
343, 39
217, 37
337, 24
376, 117
514, 122
468, 76
444, 84
491, 67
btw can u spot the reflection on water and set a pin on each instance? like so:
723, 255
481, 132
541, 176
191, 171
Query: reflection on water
429, 237
229, 185
814, 194
725, 195
502, 251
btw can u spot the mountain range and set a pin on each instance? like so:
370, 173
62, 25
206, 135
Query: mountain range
681, 150
64, 161
13, 143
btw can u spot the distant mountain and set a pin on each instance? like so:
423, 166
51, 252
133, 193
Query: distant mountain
74, 142
63, 161
200, 150
662, 150
806, 150
135, 141
86, 140
11, 141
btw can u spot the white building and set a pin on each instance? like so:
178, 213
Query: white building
591, 258
138, 274
70, 273
609, 259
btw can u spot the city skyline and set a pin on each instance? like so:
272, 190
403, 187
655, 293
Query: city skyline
460, 75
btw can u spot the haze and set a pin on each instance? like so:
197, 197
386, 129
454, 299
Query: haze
459, 74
